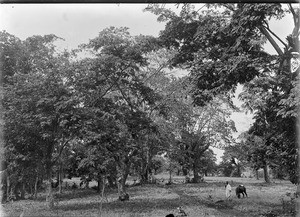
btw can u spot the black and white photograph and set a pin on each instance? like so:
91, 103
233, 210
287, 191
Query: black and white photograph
150, 109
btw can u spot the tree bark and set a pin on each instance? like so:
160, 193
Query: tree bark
145, 173
36, 186
99, 181
4, 186
123, 171
266, 173
271, 40
256, 174
60, 181
196, 178
49, 197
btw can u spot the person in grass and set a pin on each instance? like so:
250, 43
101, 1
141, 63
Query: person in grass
228, 190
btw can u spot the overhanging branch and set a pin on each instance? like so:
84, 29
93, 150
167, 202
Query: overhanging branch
271, 40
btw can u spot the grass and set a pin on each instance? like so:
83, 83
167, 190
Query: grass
203, 199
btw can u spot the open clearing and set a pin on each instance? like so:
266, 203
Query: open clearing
203, 199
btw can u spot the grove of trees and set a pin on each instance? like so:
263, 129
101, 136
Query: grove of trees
114, 107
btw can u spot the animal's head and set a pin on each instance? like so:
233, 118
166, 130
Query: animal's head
238, 195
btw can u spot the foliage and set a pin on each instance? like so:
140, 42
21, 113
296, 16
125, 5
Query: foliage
39, 111
224, 47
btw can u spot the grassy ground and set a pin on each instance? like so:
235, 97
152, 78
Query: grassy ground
203, 199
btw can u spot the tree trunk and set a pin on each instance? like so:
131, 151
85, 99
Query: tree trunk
99, 181
49, 197
266, 173
8, 188
239, 172
170, 174
60, 181
196, 178
22, 190
123, 171
196, 171
145, 173
256, 174
145, 168
36, 186
4, 186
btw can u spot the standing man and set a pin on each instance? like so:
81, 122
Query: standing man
228, 190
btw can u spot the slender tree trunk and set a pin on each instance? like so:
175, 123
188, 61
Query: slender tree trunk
239, 172
266, 173
99, 181
36, 186
60, 178
256, 174
145, 168
102, 191
8, 189
22, 190
170, 174
144, 175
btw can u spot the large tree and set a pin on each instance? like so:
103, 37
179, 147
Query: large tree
39, 111
222, 45
113, 95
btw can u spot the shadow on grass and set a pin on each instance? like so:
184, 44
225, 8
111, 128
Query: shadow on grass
135, 205
73, 194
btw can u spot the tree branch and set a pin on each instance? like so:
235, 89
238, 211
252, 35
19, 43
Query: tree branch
271, 40
293, 12
279, 39
60, 151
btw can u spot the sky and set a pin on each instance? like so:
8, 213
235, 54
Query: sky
78, 23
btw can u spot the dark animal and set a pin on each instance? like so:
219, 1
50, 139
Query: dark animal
241, 190
124, 197
170, 215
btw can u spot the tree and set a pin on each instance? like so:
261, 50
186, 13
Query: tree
40, 113
208, 162
197, 128
113, 94
224, 47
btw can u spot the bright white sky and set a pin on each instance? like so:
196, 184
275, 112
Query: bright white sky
77, 23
